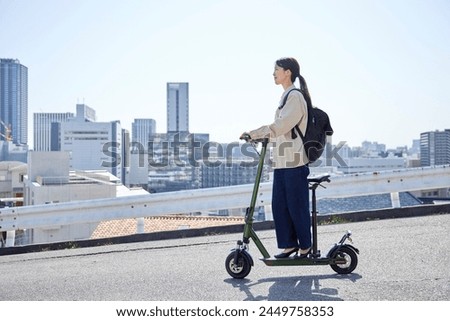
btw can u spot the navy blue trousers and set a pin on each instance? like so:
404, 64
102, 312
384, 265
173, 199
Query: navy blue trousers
290, 207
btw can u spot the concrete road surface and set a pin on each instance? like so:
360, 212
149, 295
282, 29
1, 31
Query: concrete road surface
400, 259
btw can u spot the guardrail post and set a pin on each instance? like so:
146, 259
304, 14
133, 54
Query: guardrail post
10, 238
395, 199
268, 212
140, 225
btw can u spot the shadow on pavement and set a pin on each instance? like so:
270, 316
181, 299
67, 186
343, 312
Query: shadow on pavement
297, 288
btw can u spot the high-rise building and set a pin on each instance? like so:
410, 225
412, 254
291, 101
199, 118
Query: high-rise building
177, 107
125, 157
13, 101
141, 131
45, 129
92, 145
435, 148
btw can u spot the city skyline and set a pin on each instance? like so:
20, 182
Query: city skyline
151, 125
378, 69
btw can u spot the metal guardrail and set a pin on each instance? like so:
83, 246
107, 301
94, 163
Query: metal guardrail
189, 201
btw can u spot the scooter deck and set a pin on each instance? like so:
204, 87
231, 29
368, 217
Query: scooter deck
302, 261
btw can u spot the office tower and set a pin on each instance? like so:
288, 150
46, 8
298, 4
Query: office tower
141, 130
177, 107
45, 130
13, 101
125, 157
435, 148
92, 145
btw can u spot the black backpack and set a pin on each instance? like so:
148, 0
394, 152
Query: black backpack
317, 130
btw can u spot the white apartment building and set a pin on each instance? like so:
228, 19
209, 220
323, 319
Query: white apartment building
93, 145
49, 180
11, 183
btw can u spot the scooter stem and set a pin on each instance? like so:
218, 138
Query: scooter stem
248, 228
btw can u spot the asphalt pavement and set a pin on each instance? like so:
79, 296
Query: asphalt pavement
400, 259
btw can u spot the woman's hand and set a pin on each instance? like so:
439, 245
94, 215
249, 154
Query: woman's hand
246, 137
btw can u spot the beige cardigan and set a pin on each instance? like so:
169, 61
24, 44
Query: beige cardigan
287, 152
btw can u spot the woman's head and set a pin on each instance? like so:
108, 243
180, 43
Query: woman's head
291, 64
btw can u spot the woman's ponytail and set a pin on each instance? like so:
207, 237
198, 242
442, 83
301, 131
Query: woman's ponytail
304, 90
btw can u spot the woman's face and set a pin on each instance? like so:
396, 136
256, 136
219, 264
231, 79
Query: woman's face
280, 75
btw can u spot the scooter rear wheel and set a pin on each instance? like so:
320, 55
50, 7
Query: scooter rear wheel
351, 260
239, 269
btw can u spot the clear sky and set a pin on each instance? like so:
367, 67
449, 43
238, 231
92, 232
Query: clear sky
381, 69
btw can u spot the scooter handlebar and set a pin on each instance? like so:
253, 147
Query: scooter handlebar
248, 139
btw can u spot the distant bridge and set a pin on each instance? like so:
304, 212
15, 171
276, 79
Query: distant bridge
201, 200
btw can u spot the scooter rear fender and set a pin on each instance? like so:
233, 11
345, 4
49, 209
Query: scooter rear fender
336, 247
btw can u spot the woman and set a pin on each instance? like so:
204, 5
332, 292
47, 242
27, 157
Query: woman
290, 198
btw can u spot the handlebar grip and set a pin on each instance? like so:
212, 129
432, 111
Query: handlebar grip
246, 137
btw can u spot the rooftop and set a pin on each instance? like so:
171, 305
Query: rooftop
162, 223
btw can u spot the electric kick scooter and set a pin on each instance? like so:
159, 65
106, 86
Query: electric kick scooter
341, 257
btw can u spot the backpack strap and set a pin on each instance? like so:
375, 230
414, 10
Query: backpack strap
296, 128
286, 97
294, 135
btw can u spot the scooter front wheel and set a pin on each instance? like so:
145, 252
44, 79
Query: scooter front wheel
239, 269
350, 257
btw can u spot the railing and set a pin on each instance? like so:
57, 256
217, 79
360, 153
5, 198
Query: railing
48, 215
